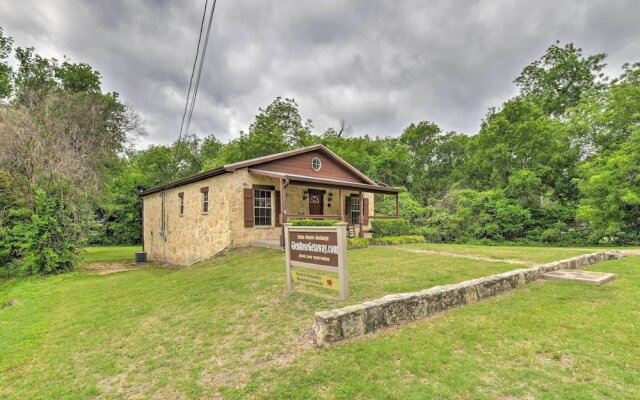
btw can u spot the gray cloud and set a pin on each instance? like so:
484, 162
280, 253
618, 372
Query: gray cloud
380, 65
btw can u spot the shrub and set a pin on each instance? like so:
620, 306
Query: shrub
314, 222
357, 243
393, 240
48, 241
391, 227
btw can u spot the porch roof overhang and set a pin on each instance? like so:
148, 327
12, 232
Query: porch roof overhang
294, 179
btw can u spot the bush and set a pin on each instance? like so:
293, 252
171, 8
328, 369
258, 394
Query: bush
391, 227
314, 222
393, 240
46, 242
357, 243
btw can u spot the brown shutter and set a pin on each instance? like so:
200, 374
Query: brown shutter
365, 211
278, 208
347, 208
248, 208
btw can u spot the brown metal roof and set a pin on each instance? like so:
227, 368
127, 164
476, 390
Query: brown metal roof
272, 157
293, 178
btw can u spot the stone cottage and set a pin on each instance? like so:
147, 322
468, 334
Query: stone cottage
245, 203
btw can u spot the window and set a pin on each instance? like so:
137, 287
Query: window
262, 209
181, 200
316, 164
205, 202
355, 209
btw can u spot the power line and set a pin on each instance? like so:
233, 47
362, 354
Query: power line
191, 100
192, 94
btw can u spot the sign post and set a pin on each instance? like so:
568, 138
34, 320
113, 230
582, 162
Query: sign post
320, 248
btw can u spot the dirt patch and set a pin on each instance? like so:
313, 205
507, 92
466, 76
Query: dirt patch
635, 252
8, 303
469, 257
98, 268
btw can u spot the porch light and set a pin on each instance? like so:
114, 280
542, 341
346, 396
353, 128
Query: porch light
305, 195
330, 197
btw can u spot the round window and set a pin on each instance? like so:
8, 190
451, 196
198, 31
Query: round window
316, 164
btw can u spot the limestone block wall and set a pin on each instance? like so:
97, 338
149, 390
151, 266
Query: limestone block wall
241, 236
195, 235
348, 322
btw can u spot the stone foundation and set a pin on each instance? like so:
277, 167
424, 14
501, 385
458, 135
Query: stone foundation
360, 319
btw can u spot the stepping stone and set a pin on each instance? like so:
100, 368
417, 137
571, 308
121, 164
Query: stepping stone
576, 275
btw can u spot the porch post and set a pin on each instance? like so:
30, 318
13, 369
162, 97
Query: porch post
283, 212
361, 200
341, 204
397, 206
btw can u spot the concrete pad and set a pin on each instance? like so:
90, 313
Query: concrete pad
576, 275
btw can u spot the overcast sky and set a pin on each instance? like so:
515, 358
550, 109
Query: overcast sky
379, 65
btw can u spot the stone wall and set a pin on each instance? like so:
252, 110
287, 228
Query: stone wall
196, 236
372, 316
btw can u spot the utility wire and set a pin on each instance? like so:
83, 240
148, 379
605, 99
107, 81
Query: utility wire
191, 100
186, 104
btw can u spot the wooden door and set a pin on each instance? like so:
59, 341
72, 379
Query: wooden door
316, 202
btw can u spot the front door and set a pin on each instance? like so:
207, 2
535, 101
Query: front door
316, 201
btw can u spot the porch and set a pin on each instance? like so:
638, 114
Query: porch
306, 197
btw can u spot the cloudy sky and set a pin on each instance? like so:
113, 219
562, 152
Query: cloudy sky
379, 65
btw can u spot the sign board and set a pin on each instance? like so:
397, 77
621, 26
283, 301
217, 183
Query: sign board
313, 279
320, 248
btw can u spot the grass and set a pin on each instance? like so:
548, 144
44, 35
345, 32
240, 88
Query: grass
535, 254
110, 254
227, 327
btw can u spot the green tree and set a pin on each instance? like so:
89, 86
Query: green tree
559, 79
610, 184
438, 159
275, 129
520, 136
5, 69
607, 118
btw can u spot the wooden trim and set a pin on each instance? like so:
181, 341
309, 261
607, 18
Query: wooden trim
316, 191
204, 189
278, 207
181, 182
263, 187
248, 207
341, 204
361, 233
314, 216
142, 223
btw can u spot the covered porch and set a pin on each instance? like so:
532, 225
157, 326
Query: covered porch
306, 197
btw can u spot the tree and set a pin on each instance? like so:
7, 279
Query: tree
606, 118
60, 135
559, 79
610, 184
275, 129
438, 158
5, 69
78, 77
519, 136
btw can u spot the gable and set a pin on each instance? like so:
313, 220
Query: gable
300, 164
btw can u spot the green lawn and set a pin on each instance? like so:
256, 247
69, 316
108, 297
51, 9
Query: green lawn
227, 326
109, 254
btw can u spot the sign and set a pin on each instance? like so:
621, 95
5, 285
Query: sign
312, 279
320, 248
315, 247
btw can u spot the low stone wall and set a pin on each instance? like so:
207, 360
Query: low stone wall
371, 316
